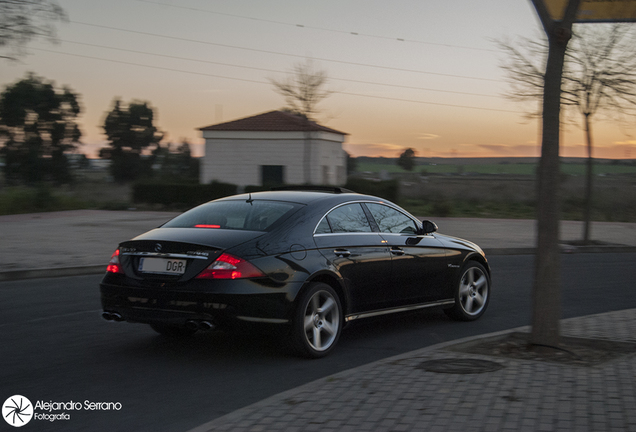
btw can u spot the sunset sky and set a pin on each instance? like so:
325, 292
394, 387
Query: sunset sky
407, 73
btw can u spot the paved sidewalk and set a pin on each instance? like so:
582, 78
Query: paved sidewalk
82, 241
395, 394
67, 243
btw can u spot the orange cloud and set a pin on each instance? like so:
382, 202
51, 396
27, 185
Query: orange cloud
427, 136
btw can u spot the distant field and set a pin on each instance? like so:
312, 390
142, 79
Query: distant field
506, 187
489, 168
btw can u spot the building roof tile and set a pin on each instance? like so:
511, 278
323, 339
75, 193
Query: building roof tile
272, 121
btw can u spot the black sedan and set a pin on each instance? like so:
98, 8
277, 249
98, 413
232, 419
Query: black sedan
305, 262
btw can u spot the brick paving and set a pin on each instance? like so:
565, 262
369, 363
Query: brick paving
525, 395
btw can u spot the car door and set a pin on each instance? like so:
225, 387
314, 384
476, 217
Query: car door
419, 262
345, 237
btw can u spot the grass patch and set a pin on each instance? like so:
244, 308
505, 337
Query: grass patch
494, 168
572, 209
47, 198
470, 209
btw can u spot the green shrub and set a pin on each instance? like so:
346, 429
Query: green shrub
19, 200
387, 189
254, 188
442, 209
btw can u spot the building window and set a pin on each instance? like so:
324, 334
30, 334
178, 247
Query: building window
272, 175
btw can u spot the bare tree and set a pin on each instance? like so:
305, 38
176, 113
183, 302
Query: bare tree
24, 20
303, 89
599, 77
524, 64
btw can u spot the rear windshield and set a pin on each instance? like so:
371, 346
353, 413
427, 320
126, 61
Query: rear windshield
237, 215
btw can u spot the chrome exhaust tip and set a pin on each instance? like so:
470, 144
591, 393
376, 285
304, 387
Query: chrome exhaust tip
107, 316
192, 325
206, 326
117, 317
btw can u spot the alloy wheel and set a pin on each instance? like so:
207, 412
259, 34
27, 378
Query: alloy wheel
321, 320
473, 290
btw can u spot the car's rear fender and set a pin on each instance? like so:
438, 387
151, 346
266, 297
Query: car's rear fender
335, 282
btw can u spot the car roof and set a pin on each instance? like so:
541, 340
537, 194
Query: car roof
304, 197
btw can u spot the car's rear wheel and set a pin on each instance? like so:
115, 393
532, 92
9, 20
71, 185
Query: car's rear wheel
317, 322
172, 331
472, 293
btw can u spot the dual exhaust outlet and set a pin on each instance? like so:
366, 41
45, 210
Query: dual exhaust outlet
199, 325
112, 316
190, 324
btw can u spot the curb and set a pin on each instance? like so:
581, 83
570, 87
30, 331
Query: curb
598, 249
565, 249
14, 275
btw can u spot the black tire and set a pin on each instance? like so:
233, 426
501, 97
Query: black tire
317, 322
472, 293
172, 331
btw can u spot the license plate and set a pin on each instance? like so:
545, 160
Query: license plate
162, 266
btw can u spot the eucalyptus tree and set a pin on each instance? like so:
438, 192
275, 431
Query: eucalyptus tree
132, 137
24, 20
38, 128
407, 159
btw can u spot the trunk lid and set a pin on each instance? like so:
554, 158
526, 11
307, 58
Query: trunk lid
177, 254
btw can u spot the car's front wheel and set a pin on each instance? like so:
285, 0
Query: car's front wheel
317, 322
472, 293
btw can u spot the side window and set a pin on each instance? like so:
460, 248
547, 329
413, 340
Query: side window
390, 220
323, 227
348, 218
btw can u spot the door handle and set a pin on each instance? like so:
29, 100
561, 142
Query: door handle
342, 253
397, 251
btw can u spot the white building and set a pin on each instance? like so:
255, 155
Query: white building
276, 147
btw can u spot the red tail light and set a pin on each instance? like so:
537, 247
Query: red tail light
228, 266
114, 266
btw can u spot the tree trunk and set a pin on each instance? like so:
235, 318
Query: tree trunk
546, 293
307, 152
587, 211
546, 311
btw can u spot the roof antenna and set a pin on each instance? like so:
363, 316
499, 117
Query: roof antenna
250, 200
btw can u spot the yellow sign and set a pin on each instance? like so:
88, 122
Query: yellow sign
595, 10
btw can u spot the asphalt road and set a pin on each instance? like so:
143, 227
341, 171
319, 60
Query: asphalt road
55, 347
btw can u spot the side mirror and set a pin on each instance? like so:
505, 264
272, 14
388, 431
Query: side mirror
428, 227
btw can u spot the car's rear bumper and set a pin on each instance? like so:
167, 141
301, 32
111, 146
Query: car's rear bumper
227, 303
